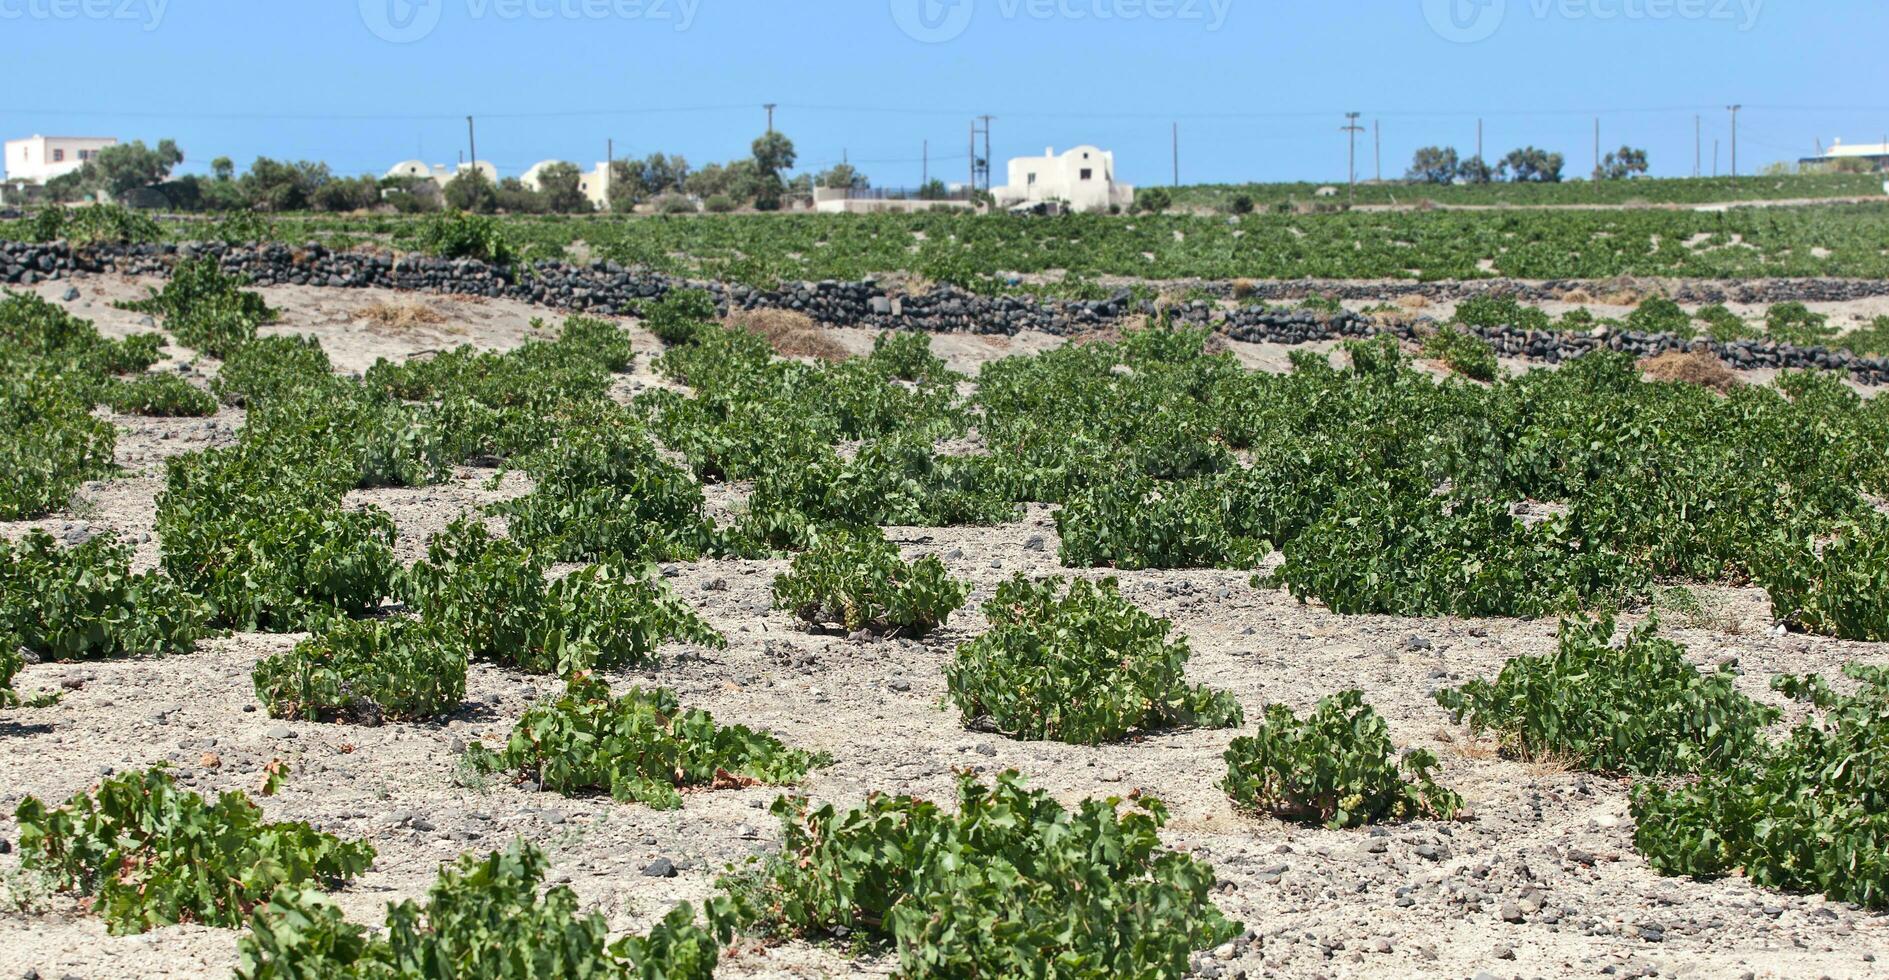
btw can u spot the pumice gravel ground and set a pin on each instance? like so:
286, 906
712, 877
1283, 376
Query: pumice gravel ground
1541, 880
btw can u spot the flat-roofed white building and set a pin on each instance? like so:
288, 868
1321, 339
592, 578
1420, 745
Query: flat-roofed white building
38, 159
1082, 178
594, 184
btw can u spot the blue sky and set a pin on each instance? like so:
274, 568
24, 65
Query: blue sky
1259, 87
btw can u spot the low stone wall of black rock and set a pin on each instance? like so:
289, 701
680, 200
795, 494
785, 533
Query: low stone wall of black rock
606, 288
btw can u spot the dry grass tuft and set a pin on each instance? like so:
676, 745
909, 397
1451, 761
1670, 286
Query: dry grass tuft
790, 333
1414, 301
1696, 367
1244, 288
399, 315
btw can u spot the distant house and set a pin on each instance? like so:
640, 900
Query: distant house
594, 184
438, 173
1873, 155
1082, 178
38, 159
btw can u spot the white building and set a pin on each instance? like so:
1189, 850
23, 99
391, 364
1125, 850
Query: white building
1082, 178
1875, 155
38, 159
439, 173
594, 184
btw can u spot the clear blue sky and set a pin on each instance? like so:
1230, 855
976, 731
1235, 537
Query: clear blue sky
1259, 87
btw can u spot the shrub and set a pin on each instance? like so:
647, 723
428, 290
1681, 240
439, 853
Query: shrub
906, 355
1794, 323
1153, 199
1639, 707
1241, 204
484, 920
1868, 341
50, 443
149, 854
1659, 315
493, 593
605, 491
1337, 767
456, 234
160, 395
1401, 551
10, 664
1135, 524
640, 747
679, 315
269, 367
206, 308
266, 543
1723, 325
42, 329
1495, 311
716, 204
1809, 815
365, 672
1081, 665
854, 577
1008, 884
1464, 353
1837, 587
84, 603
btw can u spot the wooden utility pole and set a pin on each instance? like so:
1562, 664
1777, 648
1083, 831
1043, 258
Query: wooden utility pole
1479, 155
1734, 110
1177, 154
1596, 148
609, 169
1698, 146
1377, 148
770, 114
472, 143
924, 167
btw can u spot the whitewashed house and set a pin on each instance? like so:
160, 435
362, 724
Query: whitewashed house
594, 183
439, 173
38, 159
1082, 178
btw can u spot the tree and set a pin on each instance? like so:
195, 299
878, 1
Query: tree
1476, 170
1626, 163
223, 169
1153, 200
561, 185
773, 153
933, 190
738, 180
278, 185
513, 197
1434, 165
126, 168
1531, 165
664, 173
470, 191
843, 175
347, 194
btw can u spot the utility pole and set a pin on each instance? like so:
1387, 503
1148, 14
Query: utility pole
1734, 110
1715, 158
1479, 155
924, 166
609, 169
1352, 129
472, 143
980, 165
770, 115
1698, 147
1177, 154
1596, 149
1377, 148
